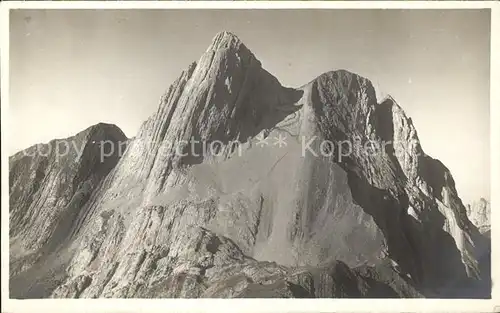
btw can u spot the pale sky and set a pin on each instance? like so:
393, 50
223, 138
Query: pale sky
70, 69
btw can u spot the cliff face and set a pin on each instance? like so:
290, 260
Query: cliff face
479, 213
287, 201
48, 186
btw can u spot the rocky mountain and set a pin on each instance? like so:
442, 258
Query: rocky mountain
240, 187
480, 215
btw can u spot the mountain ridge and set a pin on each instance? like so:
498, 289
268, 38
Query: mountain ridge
170, 220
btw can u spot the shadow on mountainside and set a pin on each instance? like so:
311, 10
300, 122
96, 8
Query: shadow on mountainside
446, 268
251, 119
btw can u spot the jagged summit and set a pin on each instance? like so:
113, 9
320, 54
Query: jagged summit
171, 218
228, 48
225, 39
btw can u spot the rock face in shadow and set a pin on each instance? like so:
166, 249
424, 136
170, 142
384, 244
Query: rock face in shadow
286, 201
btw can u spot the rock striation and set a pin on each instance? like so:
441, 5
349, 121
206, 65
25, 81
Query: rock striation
287, 202
479, 213
49, 183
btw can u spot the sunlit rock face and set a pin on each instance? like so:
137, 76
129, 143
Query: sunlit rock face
479, 213
315, 191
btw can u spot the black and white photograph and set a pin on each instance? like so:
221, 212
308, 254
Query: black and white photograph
247, 153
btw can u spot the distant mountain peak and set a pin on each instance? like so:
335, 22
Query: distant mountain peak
479, 213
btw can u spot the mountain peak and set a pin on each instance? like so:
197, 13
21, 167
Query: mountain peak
225, 36
225, 40
388, 97
227, 48
177, 216
479, 213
